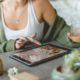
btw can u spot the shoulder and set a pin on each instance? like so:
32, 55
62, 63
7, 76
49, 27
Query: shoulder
38, 6
41, 3
44, 6
47, 11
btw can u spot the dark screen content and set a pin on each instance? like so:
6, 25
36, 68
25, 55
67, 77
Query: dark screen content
39, 53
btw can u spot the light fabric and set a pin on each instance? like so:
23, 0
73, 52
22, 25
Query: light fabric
33, 26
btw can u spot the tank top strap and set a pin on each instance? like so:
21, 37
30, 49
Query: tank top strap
32, 11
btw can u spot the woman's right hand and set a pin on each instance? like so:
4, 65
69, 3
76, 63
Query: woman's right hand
74, 38
22, 41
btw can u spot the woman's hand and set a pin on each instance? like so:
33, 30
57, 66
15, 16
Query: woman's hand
24, 40
74, 38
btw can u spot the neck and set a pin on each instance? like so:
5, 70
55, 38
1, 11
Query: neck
16, 3
21, 2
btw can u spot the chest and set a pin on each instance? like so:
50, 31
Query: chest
26, 26
16, 20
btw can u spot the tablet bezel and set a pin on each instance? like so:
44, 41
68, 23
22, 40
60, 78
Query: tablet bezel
43, 60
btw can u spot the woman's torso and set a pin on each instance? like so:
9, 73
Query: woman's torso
31, 24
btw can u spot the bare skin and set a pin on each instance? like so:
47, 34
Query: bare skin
18, 9
74, 38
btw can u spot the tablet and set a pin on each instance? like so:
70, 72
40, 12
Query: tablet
39, 55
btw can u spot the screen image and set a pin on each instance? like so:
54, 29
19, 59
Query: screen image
39, 53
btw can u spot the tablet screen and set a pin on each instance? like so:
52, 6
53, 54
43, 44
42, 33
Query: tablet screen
40, 53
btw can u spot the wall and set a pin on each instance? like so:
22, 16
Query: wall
68, 9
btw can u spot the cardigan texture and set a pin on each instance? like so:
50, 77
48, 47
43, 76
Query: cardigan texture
56, 32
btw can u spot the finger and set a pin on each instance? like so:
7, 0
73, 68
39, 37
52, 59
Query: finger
33, 35
23, 39
34, 41
19, 41
18, 44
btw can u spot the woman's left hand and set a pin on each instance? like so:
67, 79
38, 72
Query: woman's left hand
74, 38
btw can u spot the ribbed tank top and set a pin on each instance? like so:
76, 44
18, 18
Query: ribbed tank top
33, 26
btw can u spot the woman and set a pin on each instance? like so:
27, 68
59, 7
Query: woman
21, 19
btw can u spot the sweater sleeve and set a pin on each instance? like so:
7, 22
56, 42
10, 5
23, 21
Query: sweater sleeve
58, 32
7, 46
